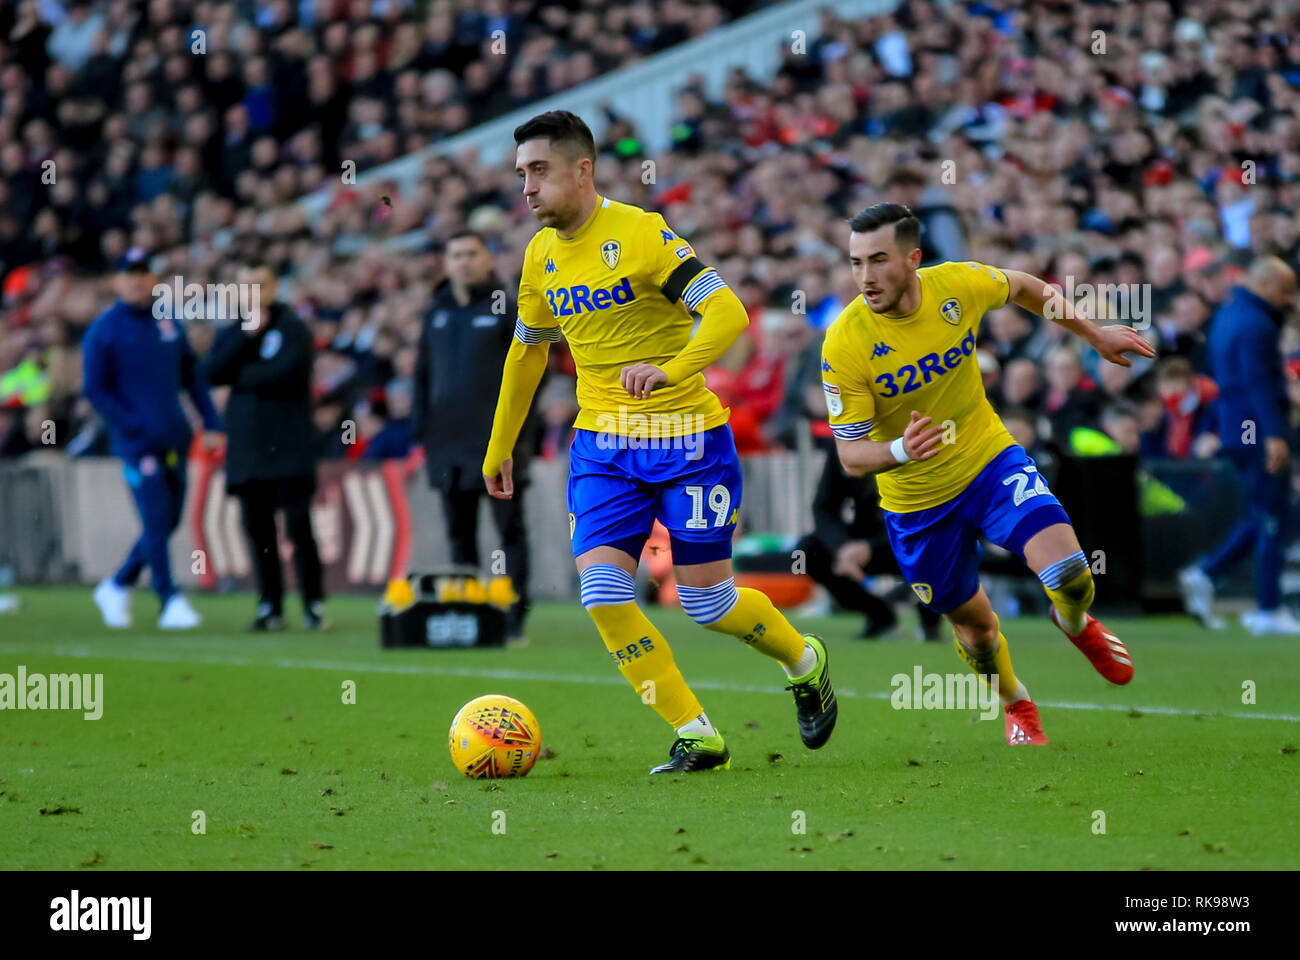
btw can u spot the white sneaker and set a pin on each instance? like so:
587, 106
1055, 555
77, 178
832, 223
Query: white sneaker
114, 604
1198, 597
179, 615
1272, 623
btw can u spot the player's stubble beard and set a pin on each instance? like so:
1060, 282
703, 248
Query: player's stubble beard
565, 219
893, 306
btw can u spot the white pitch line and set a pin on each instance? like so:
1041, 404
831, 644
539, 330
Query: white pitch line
424, 670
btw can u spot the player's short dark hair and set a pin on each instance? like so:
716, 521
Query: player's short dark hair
907, 229
566, 131
463, 235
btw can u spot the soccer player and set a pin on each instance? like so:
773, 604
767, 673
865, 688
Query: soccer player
135, 367
906, 401
651, 442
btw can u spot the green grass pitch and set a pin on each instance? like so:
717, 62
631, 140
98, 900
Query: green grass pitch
253, 731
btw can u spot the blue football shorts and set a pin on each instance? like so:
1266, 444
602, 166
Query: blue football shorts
938, 548
618, 487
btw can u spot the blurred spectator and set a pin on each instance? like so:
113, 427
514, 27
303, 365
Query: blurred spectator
1020, 386
1020, 423
392, 438
1191, 419
1069, 401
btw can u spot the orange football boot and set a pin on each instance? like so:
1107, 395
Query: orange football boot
1023, 726
1103, 649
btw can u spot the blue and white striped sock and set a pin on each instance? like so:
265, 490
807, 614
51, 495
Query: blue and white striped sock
606, 585
706, 605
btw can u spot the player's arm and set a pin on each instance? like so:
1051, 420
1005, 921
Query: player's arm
525, 365
723, 318
98, 383
1038, 297
682, 277
851, 408
227, 355
920, 441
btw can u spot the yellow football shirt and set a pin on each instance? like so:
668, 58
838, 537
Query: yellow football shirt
876, 370
621, 290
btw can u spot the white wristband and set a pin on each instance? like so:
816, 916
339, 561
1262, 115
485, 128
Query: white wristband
896, 448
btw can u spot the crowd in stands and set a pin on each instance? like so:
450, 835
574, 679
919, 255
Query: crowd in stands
1165, 158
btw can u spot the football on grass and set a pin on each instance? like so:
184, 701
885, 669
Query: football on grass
494, 736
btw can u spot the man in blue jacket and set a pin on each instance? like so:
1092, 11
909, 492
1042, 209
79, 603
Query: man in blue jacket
135, 365
1253, 430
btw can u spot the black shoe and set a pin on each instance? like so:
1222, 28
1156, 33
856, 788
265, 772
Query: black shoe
268, 620
313, 617
691, 754
873, 628
814, 700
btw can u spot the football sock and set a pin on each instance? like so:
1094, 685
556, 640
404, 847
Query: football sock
806, 665
640, 650
1068, 584
746, 614
699, 727
997, 660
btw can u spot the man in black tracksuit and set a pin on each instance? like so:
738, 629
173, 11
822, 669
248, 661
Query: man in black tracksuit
269, 461
848, 542
463, 344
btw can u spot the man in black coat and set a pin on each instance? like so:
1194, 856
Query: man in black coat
267, 361
463, 345
848, 543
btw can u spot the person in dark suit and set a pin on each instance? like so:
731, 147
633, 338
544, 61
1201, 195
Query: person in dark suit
1253, 432
463, 345
270, 465
848, 543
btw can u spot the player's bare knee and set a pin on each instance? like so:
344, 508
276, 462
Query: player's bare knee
707, 605
976, 636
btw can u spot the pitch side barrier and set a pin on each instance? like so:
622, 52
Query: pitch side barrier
71, 520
